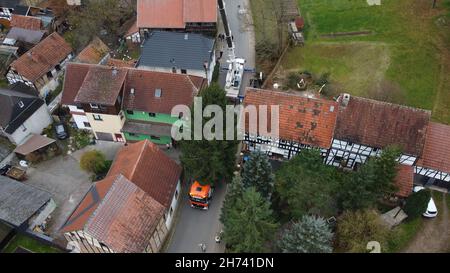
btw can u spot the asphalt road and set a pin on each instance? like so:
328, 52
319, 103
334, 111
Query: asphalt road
194, 226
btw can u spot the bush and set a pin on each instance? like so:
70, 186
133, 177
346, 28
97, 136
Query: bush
416, 204
93, 162
357, 228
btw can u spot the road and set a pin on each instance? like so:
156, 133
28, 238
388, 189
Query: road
194, 226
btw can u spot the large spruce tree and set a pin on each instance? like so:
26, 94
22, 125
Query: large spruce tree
258, 173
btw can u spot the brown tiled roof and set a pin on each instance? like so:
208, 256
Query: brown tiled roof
26, 22
436, 151
145, 165
101, 85
175, 13
175, 89
42, 58
379, 124
94, 52
73, 79
121, 63
133, 29
35, 142
305, 120
124, 216
404, 180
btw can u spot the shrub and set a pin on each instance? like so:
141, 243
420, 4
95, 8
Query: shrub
357, 228
93, 162
416, 204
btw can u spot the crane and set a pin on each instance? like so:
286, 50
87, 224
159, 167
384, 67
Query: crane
235, 65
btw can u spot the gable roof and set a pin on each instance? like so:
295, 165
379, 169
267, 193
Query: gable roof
304, 120
26, 22
12, 113
42, 57
436, 151
101, 85
73, 79
94, 52
145, 165
123, 217
175, 13
379, 124
175, 89
168, 49
19, 201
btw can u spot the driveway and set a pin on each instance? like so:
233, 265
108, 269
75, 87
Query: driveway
68, 184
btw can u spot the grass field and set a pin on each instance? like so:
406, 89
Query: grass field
404, 59
29, 244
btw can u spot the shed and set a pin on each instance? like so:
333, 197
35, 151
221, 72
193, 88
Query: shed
35, 146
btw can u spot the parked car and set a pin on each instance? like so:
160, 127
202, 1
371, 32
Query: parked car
5, 169
61, 131
431, 211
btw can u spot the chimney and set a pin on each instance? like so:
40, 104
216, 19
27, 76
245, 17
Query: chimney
345, 99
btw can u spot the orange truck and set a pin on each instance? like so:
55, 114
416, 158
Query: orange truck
200, 195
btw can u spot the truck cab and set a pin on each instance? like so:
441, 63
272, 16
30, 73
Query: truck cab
200, 195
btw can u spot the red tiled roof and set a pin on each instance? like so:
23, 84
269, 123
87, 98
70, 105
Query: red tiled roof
404, 180
133, 29
26, 22
379, 124
118, 213
175, 13
436, 151
145, 165
73, 79
101, 85
42, 58
305, 120
94, 52
175, 89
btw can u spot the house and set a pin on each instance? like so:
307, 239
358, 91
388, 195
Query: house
96, 52
167, 52
41, 66
126, 104
22, 113
26, 22
433, 167
8, 8
364, 127
132, 209
303, 122
23, 38
174, 15
23, 206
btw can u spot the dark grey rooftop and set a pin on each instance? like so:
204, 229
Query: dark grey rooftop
147, 128
176, 49
18, 201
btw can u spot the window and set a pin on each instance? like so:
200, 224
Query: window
176, 194
158, 93
80, 107
174, 70
21, 105
171, 211
132, 134
152, 115
337, 159
23, 128
97, 117
58, 67
87, 124
49, 75
130, 112
94, 106
183, 71
155, 137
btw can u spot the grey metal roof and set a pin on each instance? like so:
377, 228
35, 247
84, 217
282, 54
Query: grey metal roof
176, 49
18, 201
148, 128
25, 35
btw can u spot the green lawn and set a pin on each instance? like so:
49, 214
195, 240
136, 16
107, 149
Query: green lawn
399, 61
30, 244
401, 235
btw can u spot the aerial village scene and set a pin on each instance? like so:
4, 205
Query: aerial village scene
224, 126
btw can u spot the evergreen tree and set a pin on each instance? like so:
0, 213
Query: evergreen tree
209, 161
258, 173
309, 235
248, 223
234, 192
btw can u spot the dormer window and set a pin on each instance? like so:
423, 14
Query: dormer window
21, 105
94, 106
